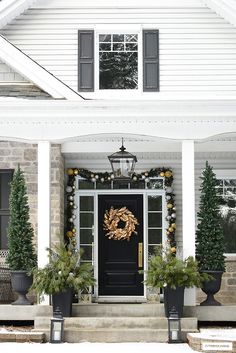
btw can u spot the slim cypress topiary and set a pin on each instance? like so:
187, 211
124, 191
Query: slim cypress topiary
209, 235
21, 251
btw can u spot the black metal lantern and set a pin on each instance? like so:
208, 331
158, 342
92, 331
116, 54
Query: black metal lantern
57, 327
122, 163
174, 327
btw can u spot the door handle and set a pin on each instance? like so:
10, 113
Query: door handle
140, 255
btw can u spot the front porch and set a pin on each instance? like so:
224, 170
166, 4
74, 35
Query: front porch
176, 135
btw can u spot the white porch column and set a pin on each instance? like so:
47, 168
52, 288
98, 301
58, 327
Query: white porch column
188, 209
44, 205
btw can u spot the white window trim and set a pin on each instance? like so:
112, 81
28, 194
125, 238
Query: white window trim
226, 174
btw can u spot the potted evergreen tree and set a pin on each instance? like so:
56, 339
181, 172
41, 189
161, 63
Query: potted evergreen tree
21, 256
209, 236
63, 275
172, 274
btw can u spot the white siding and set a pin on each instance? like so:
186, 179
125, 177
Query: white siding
7, 75
197, 47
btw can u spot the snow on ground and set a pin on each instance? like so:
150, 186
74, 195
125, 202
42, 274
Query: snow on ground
95, 348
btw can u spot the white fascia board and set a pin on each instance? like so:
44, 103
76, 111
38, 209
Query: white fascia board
224, 8
61, 121
9, 9
117, 4
35, 73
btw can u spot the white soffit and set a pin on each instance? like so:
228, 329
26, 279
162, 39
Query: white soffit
27, 67
224, 8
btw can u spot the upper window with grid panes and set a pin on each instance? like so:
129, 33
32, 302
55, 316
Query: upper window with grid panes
118, 61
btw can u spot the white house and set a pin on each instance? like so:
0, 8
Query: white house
68, 97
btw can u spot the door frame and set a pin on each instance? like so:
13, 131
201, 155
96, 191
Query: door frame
145, 193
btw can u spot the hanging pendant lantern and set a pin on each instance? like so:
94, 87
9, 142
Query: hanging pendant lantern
122, 163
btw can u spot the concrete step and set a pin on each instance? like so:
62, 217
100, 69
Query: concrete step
107, 310
113, 335
116, 329
115, 323
73, 335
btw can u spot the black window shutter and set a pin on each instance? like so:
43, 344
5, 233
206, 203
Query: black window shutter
86, 61
150, 60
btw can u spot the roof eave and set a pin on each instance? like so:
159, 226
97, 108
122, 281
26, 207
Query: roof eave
224, 8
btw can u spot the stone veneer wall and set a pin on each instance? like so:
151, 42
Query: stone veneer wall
227, 293
57, 192
12, 153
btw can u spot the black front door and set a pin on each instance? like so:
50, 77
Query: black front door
119, 261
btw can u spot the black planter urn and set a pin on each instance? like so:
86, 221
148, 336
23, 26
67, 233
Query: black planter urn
21, 283
63, 301
174, 299
212, 287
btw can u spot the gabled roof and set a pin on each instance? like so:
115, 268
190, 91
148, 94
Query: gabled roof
224, 8
9, 9
24, 65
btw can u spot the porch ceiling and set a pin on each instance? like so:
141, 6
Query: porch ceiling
60, 121
92, 151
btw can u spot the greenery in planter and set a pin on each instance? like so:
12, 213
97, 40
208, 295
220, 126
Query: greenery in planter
21, 251
165, 269
63, 271
209, 234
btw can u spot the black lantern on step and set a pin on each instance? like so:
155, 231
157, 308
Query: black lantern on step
174, 327
122, 163
57, 327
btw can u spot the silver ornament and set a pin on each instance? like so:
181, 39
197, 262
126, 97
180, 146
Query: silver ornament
69, 189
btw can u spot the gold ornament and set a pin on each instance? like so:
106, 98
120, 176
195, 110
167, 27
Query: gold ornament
168, 174
70, 171
74, 230
162, 174
76, 172
171, 229
69, 233
112, 219
173, 249
169, 205
173, 225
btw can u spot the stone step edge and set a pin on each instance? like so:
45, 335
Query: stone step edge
196, 341
100, 329
117, 317
23, 336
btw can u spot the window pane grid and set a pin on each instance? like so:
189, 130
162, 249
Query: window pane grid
226, 189
154, 183
118, 43
154, 230
86, 227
